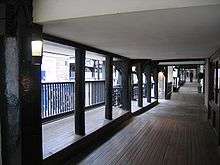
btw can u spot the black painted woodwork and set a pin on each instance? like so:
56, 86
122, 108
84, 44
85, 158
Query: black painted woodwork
20, 80
166, 82
148, 78
108, 87
139, 69
80, 92
155, 77
80, 45
124, 67
214, 98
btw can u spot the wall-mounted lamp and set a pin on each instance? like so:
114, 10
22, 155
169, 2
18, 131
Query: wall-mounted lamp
37, 44
37, 47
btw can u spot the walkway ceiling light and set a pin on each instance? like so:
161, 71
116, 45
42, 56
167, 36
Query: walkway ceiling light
37, 47
37, 44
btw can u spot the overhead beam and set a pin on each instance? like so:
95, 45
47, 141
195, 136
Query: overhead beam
63, 41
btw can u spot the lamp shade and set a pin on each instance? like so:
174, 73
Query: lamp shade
37, 47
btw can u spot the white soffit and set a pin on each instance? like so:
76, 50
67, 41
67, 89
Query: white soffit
181, 33
53, 10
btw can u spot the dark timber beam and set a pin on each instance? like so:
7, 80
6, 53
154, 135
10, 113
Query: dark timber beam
166, 81
80, 45
148, 78
19, 86
80, 92
108, 87
124, 67
139, 68
155, 77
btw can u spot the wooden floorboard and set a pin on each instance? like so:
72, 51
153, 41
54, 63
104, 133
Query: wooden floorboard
175, 132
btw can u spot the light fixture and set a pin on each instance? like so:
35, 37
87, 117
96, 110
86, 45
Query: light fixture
37, 47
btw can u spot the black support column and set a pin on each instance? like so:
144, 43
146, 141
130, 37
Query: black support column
139, 69
124, 66
166, 82
126, 90
108, 87
155, 76
148, 78
80, 92
19, 87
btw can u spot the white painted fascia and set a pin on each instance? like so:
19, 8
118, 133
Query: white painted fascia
55, 10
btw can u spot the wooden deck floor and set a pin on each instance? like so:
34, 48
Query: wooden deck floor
60, 133
173, 133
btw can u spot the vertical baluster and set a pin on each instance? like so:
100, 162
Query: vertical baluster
74, 95
56, 89
63, 96
103, 91
61, 99
42, 100
71, 94
45, 100
49, 102
54, 102
100, 91
65, 101
69, 98
48, 99
51, 95
88, 93
97, 92
57, 94
66, 98
93, 94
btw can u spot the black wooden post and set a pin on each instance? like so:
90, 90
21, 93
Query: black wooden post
126, 82
19, 87
140, 84
108, 87
124, 67
204, 81
148, 78
80, 92
155, 76
98, 70
34, 137
166, 82
93, 69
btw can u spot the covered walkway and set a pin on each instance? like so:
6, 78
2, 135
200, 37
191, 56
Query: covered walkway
175, 132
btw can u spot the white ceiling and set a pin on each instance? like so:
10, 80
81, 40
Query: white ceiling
177, 33
53, 10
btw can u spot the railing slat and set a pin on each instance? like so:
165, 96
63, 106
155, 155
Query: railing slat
58, 98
